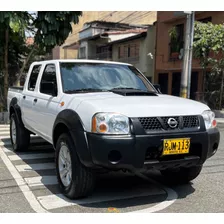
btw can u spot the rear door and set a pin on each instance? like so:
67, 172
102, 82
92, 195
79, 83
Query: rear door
47, 102
28, 96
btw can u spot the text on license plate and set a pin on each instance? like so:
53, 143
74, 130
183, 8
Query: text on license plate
176, 146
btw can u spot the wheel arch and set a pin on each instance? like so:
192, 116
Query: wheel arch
15, 108
69, 121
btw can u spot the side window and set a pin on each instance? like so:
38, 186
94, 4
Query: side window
48, 84
33, 77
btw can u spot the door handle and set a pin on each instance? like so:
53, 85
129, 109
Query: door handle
35, 100
24, 97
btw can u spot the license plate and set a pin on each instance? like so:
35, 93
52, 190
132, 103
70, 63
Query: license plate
176, 146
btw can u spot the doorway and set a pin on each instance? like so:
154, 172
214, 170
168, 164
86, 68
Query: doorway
176, 82
163, 82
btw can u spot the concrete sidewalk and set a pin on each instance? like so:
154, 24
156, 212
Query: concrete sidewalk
220, 122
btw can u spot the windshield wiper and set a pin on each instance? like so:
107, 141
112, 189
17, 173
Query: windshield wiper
85, 90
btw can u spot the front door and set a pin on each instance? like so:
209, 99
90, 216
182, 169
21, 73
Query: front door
176, 82
163, 82
194, 85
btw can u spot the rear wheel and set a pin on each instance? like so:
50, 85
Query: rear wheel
181, 175
20, 136
75, 180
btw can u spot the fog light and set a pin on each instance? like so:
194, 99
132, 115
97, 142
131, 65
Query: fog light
114, 156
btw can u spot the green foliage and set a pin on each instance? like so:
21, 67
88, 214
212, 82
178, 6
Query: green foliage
174, 44
209, 49
208, 39
173, 33
54, 27
49, 29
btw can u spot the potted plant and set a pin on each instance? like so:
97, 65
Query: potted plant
174, 43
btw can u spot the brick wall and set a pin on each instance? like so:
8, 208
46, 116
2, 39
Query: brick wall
166, 20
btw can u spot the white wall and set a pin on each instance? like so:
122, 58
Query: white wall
114, 37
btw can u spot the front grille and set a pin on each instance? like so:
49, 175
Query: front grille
161, 123
190, 121
150, 123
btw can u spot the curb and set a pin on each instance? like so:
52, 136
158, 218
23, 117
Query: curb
220, 122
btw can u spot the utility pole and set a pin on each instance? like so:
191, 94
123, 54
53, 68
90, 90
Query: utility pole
187, 61
190, 52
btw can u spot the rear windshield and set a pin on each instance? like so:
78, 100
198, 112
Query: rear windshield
77, 76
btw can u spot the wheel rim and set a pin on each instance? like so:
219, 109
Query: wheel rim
64, 166
13, 131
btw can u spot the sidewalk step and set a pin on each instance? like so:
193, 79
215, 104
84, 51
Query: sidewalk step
2, 126
4, 133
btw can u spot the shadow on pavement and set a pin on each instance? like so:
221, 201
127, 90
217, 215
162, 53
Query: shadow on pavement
111, 184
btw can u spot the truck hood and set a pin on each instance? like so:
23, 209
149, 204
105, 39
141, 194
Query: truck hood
136, 106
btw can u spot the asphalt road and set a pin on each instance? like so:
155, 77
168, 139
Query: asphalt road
28, 184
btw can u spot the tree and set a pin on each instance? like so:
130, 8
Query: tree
11, 22
49, 29
11, 50
209, 49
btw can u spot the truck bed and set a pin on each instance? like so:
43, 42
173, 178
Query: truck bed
14, 92
12, 88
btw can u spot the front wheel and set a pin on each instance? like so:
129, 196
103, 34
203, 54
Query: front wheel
75, 180
181, 175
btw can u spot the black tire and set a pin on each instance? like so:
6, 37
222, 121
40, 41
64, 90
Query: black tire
83, 179
181, 175
22, 135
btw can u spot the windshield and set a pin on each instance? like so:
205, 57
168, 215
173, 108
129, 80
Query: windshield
102, 77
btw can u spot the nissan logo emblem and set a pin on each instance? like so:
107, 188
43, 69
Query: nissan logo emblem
172, 122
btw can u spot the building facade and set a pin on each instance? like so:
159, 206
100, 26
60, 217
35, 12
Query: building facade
169, 51
69, 50
121, 42
137, 50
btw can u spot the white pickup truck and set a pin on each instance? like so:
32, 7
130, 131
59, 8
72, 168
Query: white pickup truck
102, 115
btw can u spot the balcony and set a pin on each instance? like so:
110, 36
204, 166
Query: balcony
175, 50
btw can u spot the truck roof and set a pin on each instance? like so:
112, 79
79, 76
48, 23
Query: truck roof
82, 60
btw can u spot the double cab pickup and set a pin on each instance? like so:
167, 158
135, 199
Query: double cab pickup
107, 116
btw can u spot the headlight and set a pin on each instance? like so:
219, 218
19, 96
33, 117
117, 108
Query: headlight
209, 118
110, 123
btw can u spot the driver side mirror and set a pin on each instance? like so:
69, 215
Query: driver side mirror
157, 87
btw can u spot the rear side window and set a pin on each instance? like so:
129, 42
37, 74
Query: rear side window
33, 77
48, 77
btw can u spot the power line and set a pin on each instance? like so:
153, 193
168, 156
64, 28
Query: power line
103, 17
139, 17
109, 14
127, 17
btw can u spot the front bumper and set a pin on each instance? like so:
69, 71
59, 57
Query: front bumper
141, 152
